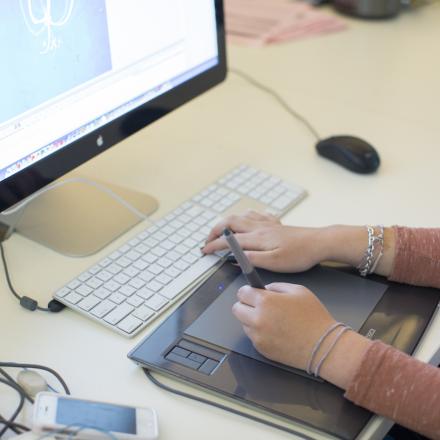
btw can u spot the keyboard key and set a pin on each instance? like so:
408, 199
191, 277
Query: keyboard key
73, 284
112, 285
129, 324
103, 308
114, 268
143, 313
154, 286
158, 251
135, 300
156, 302
94, 270
94, 283
84, 276
130, 272
121, 278
117, 298
89, 302
172, 272
102, 293
119, 313
126, 290
165, 262
105, 262
164, 279
123, 262
146, 276
84, 290
156, 269
73, 298
145, 293
65, 290
137, 283
104, 275
141, 264
133, 255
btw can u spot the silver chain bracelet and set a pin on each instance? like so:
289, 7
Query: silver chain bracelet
374, 250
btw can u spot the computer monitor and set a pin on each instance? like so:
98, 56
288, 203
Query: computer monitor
79, 76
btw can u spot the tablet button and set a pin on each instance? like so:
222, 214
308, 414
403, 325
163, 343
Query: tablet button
182, 361
208, 367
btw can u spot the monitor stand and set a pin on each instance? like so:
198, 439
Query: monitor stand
77, 216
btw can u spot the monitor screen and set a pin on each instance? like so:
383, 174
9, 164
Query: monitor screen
79, 76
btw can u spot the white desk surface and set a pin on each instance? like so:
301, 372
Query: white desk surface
377, 80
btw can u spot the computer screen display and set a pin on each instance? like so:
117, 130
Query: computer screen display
74, 71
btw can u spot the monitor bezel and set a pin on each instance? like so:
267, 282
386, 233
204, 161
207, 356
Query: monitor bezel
31, 179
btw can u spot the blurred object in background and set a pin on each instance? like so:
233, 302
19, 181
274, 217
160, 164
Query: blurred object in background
369, 8
373, 9
260, 22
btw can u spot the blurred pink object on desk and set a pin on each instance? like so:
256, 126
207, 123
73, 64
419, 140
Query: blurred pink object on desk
259, 22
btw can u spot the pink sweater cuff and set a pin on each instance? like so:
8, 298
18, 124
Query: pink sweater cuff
417, 256
395, 385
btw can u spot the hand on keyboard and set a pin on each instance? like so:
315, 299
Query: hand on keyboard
268, 244
134, 284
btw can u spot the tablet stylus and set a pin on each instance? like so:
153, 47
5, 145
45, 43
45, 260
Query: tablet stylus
249, 271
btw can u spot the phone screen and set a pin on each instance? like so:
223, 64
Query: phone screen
102, 416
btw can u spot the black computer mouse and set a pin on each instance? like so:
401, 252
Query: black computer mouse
351, 152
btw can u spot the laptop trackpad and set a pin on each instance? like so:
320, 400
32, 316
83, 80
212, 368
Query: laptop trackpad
349, 298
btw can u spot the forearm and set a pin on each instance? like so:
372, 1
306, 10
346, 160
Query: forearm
347, 244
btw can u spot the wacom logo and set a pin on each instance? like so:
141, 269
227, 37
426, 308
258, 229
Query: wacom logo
42, 17
370, 334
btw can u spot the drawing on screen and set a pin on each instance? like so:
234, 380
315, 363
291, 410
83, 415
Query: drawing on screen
42, 18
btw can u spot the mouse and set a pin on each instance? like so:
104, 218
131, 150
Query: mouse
351, 152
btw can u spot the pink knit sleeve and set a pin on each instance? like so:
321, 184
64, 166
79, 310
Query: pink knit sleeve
417, 256
395, 385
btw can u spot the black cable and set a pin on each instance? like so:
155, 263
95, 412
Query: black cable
22, 299
37, 367
10, 422
223, 407
11, 379
18, 428
277, 97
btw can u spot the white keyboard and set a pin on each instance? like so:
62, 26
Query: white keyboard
134, 284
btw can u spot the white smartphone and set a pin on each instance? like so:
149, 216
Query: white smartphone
92, 420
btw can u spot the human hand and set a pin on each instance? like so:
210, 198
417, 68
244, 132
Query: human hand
283, 322
269, 244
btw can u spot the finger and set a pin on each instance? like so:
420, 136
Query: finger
283, 287
264, 258
233, 222
215, 245
254, 215
246, 241
248, 331
244, 313
248, 295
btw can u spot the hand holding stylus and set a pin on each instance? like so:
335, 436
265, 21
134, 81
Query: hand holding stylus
248, 270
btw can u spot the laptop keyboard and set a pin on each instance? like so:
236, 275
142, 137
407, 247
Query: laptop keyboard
134, 284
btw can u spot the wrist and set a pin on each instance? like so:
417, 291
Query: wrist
344, 244
345, 359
